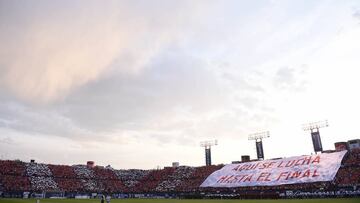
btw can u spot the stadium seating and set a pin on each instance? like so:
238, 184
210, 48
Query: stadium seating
16, 168
13, 176
17, 176
353, 157
66, 178
40, 177
87, 177
151, 181
107, 180
131, 178
199, 174
180, 175
15, 183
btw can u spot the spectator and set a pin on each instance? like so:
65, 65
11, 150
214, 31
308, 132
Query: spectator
41, 177
17, 176
87, 177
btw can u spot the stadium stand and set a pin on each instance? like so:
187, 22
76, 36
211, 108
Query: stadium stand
87, 178
131, 177
13, 176
349, 172
180, 175
66, 178
17, 177
151, 181
107, 180
40, 177
197, 177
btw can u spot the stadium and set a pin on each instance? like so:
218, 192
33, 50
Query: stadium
126, 100
60, 182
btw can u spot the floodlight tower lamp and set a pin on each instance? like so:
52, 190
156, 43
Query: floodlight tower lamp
208, 143
259, 135
315, 125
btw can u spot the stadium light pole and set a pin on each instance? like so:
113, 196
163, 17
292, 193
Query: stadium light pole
315, 133
207, 145
258, 142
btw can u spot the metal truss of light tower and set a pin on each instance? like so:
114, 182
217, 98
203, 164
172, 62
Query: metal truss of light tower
258, 142
207, 145
315, 133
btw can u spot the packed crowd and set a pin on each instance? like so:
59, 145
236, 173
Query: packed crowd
353, 158
131, 177
41, 183
349, 172
16, 168
15, 183
197, 177
13, 176
66, 178
20, 176
107, 180
151, 181
86, 176
40, 177
180, 175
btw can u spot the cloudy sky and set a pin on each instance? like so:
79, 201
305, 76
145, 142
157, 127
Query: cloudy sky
138, 84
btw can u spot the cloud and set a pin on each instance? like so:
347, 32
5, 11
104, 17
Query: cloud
173, 87
356, 14
79, 70
50, 48
291, 78
33, 120
285, 75
164, 100
7, 140
44, 56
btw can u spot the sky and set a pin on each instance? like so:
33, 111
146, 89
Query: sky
139, 84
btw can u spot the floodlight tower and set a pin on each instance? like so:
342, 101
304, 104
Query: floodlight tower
315, 133
207, 145
258, 142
